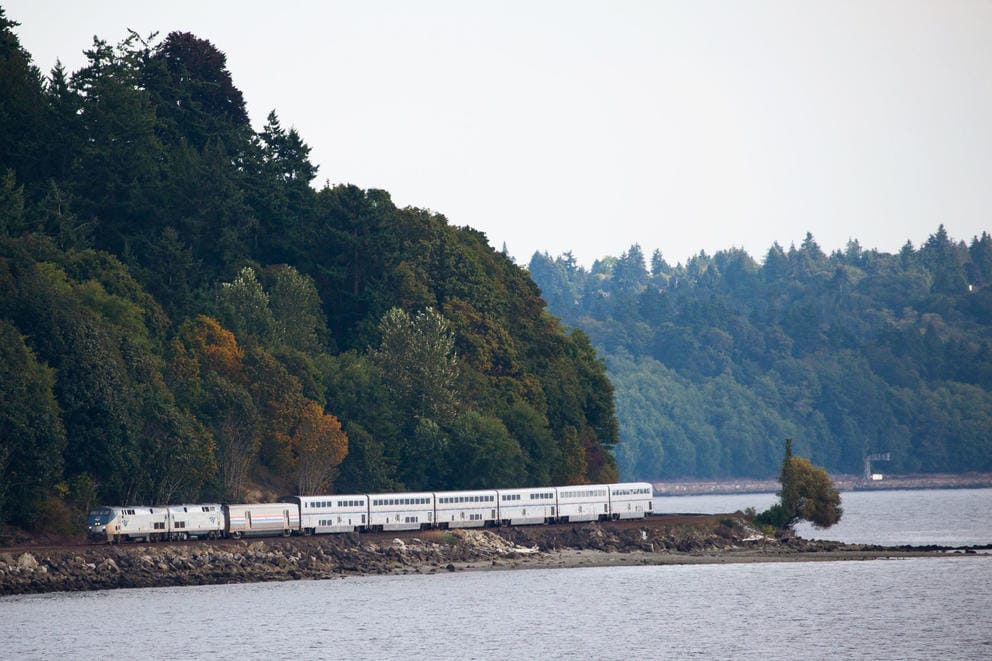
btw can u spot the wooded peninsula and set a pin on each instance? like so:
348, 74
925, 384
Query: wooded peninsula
185, 317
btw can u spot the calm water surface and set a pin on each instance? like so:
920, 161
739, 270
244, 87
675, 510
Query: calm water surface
882, 609
947, 517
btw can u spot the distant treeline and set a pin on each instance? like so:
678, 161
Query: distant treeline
183, 317
716, 361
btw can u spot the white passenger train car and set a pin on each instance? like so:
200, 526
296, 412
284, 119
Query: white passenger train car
196, 521
401, 511
585, 502
520, 507
374, 512
466, 509
633, 500
261, 519
330, 514
128, 523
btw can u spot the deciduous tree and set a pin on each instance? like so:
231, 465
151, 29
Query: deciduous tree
319, 446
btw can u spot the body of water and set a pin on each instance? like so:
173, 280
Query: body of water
947, 517
917, 608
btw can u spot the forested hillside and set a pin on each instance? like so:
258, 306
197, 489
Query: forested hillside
183, 316
716, 361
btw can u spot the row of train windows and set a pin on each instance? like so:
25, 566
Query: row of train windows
466, 499
508, 497
341, 503
331, 522
587, 493
642, 491
401, 501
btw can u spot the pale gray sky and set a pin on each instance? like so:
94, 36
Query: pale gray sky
590, 126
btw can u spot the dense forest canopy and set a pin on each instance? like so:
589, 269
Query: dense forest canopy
183, 316
852, 353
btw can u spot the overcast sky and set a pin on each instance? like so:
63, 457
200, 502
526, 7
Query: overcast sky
591, 126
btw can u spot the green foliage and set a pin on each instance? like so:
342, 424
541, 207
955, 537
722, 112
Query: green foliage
32, 437
857, 352
807, 494
485, 454
418, 365
183, 316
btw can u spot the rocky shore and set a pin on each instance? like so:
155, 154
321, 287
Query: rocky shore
685, 540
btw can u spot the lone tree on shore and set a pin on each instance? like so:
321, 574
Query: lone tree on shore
807, 494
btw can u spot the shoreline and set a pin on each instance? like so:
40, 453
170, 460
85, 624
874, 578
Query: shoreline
576, 559
658, 541
888, 482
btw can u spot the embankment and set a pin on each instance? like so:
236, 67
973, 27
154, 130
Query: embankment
655, 541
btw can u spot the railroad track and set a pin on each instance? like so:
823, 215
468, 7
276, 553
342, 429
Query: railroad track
433, 535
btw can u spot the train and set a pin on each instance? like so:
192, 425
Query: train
377, 512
